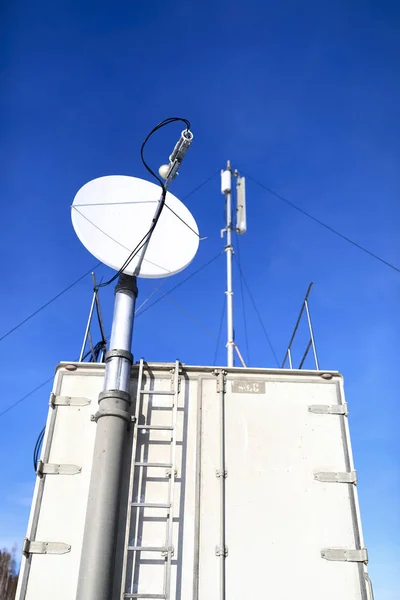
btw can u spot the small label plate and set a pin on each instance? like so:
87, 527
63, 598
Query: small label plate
248, 386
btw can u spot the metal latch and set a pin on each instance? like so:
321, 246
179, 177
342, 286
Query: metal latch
57, 469
221, 551
68, 400
345, 554
44, 547
326, 409
340, 477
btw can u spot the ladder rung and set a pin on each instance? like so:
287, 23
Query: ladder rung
145, 596
157, 427
147, 464
148, 548
157, 393
150, 505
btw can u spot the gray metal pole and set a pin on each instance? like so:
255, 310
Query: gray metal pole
230, 344
98, 551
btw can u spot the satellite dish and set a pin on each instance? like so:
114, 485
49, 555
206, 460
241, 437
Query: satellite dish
112, 214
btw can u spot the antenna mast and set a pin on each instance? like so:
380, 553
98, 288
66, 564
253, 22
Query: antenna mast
99, 540
226, 189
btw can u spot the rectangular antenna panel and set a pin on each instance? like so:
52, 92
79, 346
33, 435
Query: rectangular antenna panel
226, 181
241, 222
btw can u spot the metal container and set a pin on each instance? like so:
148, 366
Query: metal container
256, 464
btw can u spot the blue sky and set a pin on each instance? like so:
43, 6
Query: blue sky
304, 96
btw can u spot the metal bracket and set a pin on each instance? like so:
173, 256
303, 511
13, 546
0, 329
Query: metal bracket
221, 551
44, 547
168, 551
219, 473
119, 354
326, 409
54, 469
68, 400
173, 384
340, 477
345, 554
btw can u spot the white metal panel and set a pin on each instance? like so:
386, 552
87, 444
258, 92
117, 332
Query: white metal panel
278, 517
61, 499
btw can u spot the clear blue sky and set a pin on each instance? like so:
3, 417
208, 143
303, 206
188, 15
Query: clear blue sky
305, 97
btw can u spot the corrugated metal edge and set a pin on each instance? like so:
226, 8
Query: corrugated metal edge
353, 494
301, 373
38, 492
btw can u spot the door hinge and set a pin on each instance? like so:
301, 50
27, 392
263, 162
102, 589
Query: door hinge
168, 473
221, 473
339, 477
221, 551
325, 409
168, 552
33, 547
68, 400
345, 554
220, 380
57, 469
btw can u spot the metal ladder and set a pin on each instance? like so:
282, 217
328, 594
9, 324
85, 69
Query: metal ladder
167, 550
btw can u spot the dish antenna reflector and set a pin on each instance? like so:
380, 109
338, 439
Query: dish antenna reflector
112, 214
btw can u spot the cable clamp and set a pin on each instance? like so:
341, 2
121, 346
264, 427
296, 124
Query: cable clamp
112, 412
116, 352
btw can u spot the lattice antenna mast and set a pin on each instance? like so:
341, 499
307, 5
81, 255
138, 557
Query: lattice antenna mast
240, 227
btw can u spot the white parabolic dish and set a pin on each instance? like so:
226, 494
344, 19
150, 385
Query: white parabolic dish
112, 214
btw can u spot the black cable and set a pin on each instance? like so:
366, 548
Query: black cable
258, 313
180, 283
163, 123
38, 445
6, 410
325, 225
196, 189
243, 307
49, 302
103, 341
182, 220
37, 449
94, 355
156, 218
46, 304
155, 302
219, 331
